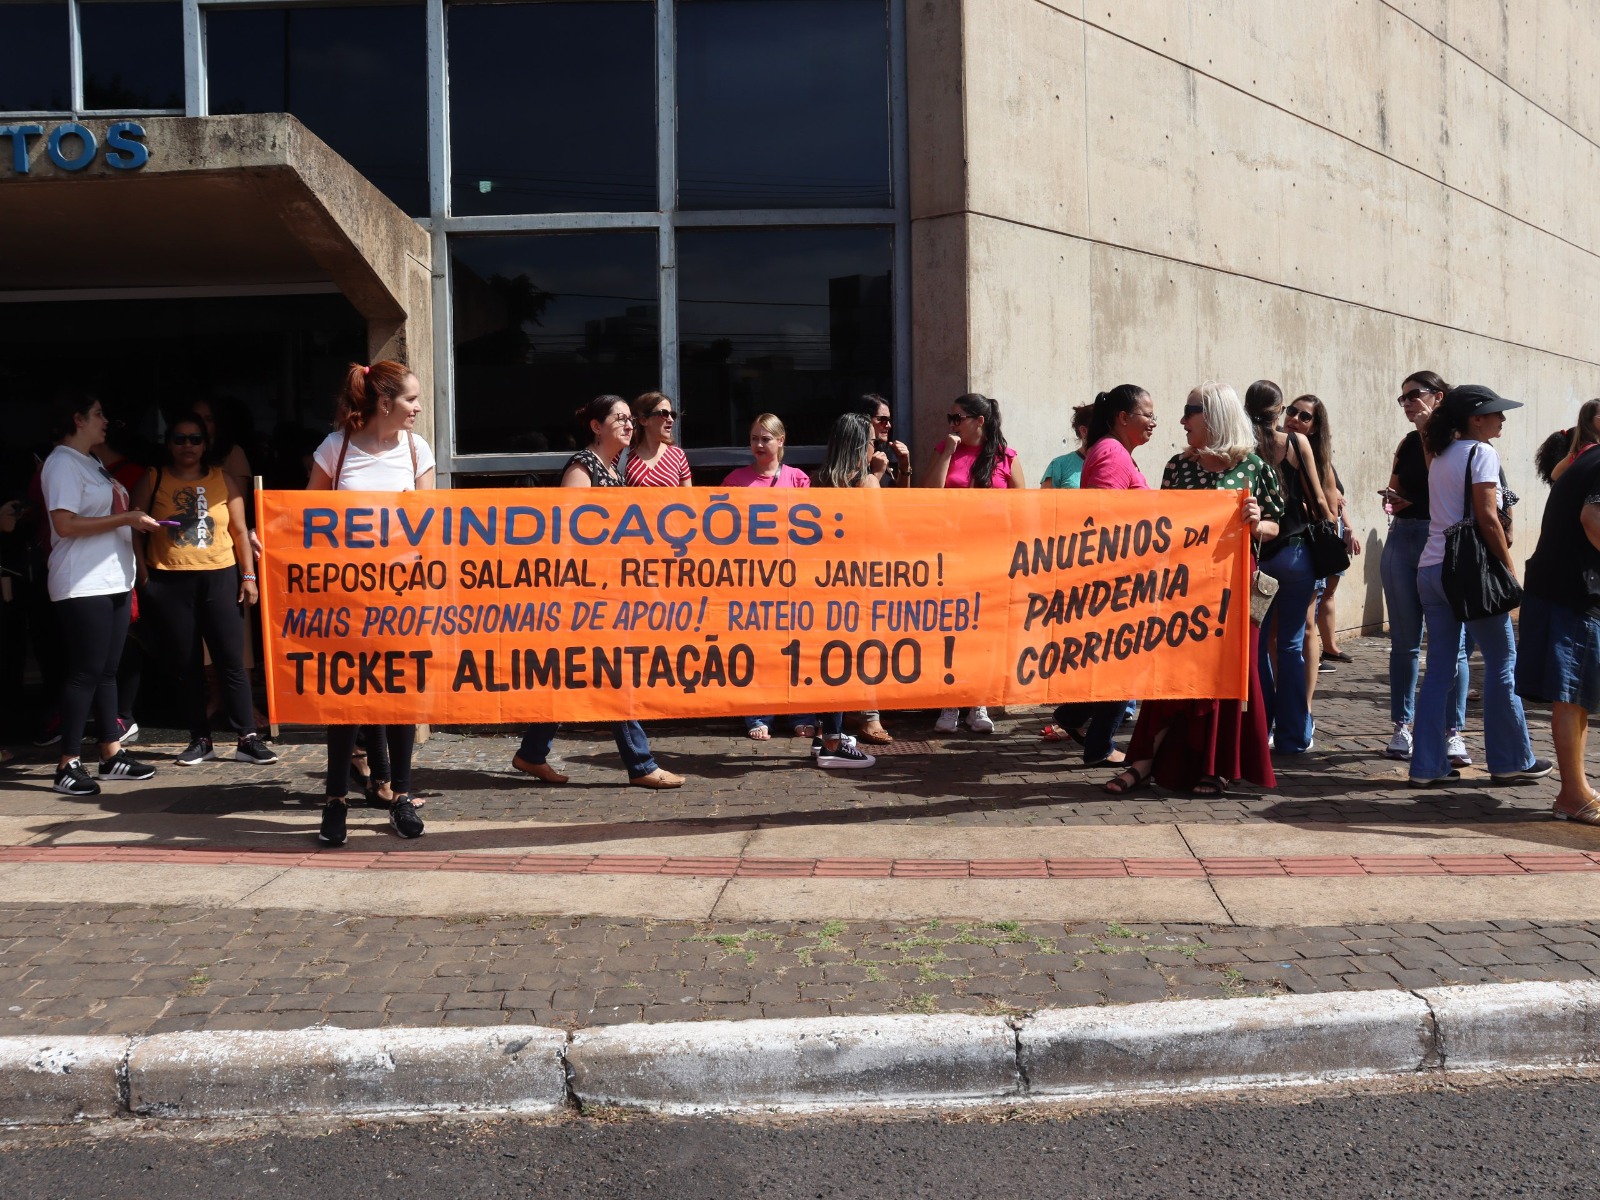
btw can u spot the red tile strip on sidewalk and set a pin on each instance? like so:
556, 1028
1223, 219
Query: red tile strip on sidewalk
725, 867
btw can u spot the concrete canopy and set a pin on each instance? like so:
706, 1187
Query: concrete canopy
236, 201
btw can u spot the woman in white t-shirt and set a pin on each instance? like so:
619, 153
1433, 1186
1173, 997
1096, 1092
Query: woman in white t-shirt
91, 581
1464, 484
373, 449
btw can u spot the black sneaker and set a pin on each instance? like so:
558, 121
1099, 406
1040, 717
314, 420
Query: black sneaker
123, 765
73, 780
332, 832
198, 751
404, 818
251, 749
844, 757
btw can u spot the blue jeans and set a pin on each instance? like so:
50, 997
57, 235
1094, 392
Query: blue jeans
632, 745
1505, 731
1103, 721
799, 719
1283, 688
1398, 568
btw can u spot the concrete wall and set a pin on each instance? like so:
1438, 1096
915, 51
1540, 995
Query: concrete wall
1329, 195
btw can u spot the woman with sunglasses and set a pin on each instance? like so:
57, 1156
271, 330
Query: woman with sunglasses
1406, 497
607, 422
1203, 745
197, 572
974, 455
1308, 415
91, 578
891, 460
654, 460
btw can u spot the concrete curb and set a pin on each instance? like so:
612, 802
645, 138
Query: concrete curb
710, 1066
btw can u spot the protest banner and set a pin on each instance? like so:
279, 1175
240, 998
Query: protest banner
498, 606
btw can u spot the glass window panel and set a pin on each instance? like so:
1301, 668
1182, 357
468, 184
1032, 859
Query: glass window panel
132, 55
35, 76
783, 104
357, 78
544, 322
795, 322
552, 108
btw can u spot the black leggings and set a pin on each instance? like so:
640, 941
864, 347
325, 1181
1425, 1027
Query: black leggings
93, 629
184, 607
401, 739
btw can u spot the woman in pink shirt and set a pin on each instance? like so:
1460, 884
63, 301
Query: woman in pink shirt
975, 455
767, 436
1124, 419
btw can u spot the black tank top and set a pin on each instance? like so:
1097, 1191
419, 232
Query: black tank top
1411, 468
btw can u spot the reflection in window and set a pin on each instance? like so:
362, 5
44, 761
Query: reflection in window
132, 55
552, 108
542, 324
783, 104
357, 78
795, 322
35, 76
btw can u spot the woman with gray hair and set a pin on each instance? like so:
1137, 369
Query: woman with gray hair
1203, 745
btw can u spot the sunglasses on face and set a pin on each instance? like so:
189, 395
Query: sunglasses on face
665, 414
1193, 410
956, 418
187, 439
1298, 414
1413, 394
881, 420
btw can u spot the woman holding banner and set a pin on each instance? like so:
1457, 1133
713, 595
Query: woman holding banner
975, 455
373, 449
607, 421
1203, 745
1115, 425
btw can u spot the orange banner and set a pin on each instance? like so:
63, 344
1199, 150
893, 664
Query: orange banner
457, 607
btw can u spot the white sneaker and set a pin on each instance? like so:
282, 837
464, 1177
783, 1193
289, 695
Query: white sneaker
949, 720
1456, 751
978, 720
1400, 744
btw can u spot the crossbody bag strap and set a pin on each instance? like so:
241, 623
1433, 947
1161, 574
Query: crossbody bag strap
338, 468
412, 442
1305, 480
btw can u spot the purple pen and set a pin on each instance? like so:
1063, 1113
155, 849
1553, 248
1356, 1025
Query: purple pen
171, 524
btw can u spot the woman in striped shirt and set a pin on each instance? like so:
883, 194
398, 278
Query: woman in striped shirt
653, 459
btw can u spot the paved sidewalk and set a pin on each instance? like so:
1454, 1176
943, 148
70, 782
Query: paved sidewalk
962, 874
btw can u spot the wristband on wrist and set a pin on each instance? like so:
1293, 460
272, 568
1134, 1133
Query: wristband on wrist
247, 578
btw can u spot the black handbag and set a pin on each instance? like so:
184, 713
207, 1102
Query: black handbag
1476, 583
1329, 555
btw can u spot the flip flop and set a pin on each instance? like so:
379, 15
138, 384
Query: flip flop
759, 733
1056, 733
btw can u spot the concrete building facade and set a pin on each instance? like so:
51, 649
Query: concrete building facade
779, 204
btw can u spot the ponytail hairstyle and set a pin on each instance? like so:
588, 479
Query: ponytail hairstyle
1108, 406
1564, 443
1444, 423
65, 409
849, 446
993, 446
1263, 401
1587, 431
363, 387
597, 410
1081, 416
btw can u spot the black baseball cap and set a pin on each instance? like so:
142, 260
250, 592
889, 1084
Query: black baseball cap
1475, 400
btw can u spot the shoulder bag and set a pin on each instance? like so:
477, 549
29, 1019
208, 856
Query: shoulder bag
1329, 554
1476, 583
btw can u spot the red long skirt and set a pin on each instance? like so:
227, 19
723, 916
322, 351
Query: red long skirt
1206, 737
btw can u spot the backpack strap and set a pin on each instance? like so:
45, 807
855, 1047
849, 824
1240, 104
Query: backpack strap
338, 469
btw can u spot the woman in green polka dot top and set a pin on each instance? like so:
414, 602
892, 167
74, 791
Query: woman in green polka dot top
1203, 745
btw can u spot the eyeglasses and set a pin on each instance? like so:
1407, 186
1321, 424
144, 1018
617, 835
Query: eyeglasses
956, 418
1299, 414
187, 439
1193, 410
1414, 394
665, 414
623, 420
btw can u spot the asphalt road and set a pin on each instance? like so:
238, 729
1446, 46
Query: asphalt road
1537, 1138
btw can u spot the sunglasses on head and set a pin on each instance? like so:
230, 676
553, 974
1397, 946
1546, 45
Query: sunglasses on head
187, 439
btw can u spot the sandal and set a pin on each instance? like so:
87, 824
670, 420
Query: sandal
1210, 785
874, 734
1056, 733
805, 731
758, 733
1128, 780
1589, 814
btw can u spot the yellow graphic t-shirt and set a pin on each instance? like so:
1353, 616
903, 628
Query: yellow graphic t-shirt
201, 541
